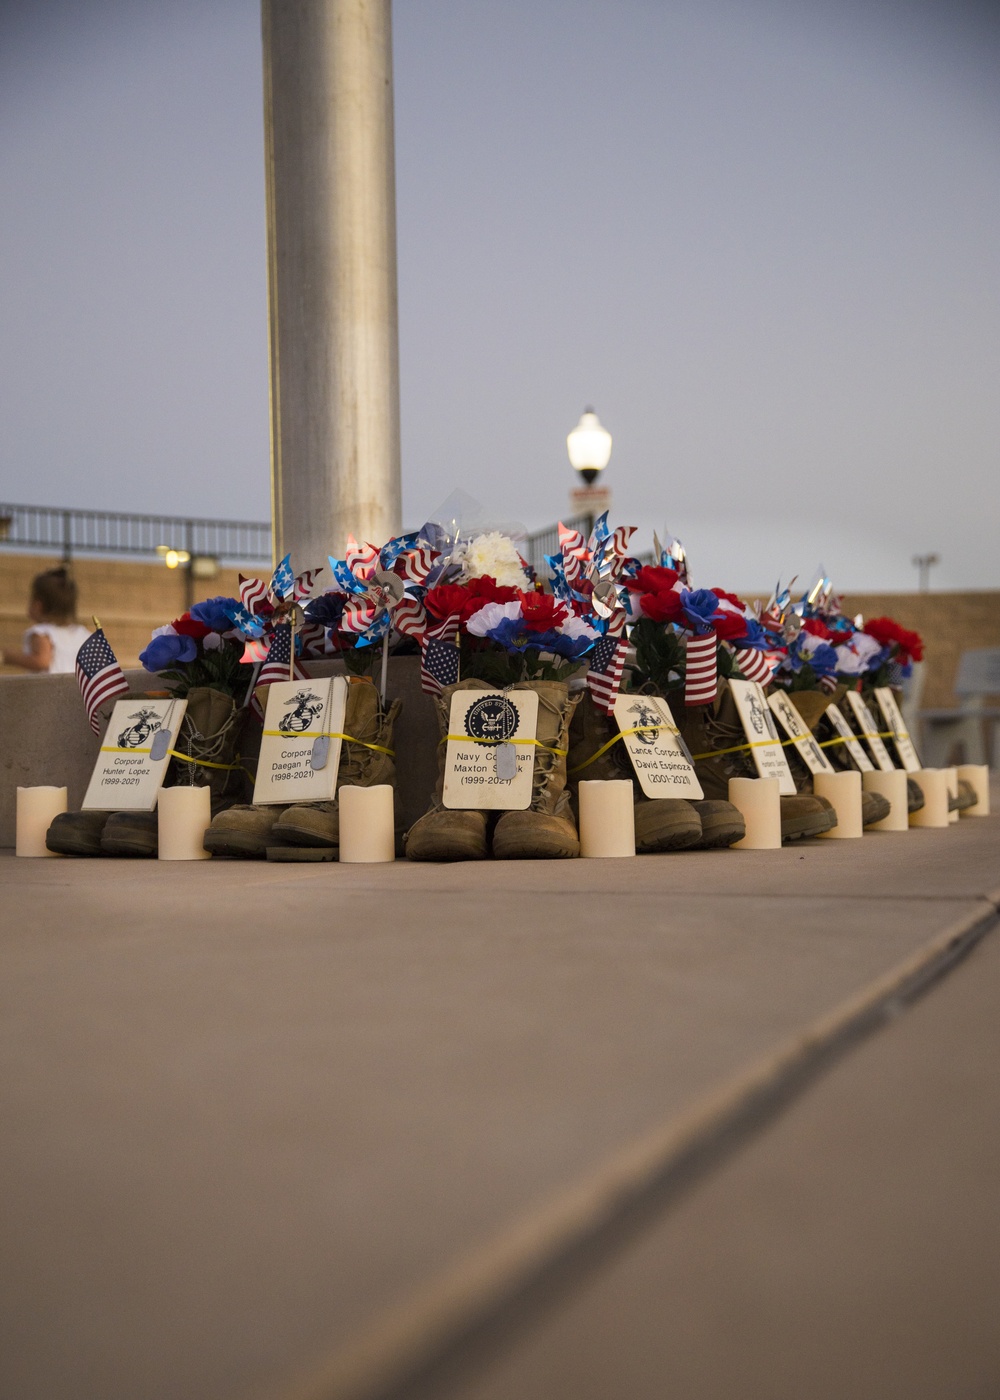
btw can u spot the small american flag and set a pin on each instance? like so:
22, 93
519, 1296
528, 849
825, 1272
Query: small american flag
605, 674
98, 675
439, 656
701, 679
754, 664
279, 656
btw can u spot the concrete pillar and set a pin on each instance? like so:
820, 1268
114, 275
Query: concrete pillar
331, 246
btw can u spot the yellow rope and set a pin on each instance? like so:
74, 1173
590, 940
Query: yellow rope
639, 729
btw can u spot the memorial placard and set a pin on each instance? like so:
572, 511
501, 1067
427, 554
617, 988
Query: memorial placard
762, 736
782, 706
844, 731
134, 756
654, 746
300, 746
491, 734
868, 728
908, 756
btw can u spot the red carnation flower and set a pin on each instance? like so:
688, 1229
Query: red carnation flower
662, 607
186, 626
815, 628
887, 632
487, 590
542, 612
728, 627
653, 579
725, 597
449, 599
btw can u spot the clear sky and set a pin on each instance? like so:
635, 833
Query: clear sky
760, 237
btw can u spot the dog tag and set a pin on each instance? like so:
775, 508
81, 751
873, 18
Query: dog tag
506, 762
160, 746
320, 752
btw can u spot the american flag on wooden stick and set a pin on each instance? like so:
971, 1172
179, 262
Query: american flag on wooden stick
279, 656
439, 656
98, 675
605, 675
701, 677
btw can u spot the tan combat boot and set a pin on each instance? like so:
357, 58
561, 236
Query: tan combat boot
547, 830
661, 824
211, 731
366, 760
442, 833
715, 738
812, 706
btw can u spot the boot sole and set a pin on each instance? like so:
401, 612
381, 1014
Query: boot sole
457, 850
538, 850
301, 835
720, 832
231, 843
119, 847
795, 828
74, 848
308, 854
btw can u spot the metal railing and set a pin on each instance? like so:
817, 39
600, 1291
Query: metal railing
69, 532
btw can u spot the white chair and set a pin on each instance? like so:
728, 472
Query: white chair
974, 723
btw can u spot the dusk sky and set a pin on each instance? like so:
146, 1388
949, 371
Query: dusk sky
760, 238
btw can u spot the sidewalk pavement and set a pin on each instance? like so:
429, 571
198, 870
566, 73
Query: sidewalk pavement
387, 1130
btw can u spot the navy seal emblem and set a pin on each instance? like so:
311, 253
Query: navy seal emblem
493, 717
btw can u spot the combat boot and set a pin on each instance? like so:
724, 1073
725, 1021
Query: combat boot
546, 830
444, 833
717, 743
209, 740
366, 760
76, 833
243, 831
812, 706
661, 824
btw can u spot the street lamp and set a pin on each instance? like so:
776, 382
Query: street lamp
924, 563
589, 448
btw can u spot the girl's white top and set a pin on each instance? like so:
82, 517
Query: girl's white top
67, 638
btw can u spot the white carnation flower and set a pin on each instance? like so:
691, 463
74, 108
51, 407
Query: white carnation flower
168, 631
576, 627
490, 615
494, 556
854, 657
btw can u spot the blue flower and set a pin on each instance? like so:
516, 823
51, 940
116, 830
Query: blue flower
326, 610
513, 636
214, 613
755, 637
700, 605
570, 647
169, 651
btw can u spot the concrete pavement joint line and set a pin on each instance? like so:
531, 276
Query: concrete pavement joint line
434, 1332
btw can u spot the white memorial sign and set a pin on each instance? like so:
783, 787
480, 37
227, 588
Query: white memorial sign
782, 706
135, 755
861, 760
490, 759
908, 756
868, 728
300, 746
762, 736
654, 746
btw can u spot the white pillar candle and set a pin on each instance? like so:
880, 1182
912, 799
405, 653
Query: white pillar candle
759, 800
36, 806
366, 824
978, 775
184, 814
952, 774
607, 818
893, 786
843, 790
934, 785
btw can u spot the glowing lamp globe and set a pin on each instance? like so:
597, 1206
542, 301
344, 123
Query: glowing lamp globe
589, 446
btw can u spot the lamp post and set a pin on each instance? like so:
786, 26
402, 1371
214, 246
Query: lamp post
589, 448
924, 563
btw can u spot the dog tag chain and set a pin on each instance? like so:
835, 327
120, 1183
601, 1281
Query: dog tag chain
505, 751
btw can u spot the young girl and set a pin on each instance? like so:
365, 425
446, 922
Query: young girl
53, 641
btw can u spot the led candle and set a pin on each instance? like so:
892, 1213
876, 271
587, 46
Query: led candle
36, 806
184, 814
759, 800
607, 818
366, 824
978, 775
934, 785
843, 791
893, 786
952, 775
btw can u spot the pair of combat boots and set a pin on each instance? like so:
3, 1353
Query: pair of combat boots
546, 830
209, 738
310, 831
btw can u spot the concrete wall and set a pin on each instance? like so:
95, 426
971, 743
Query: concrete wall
46, 737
